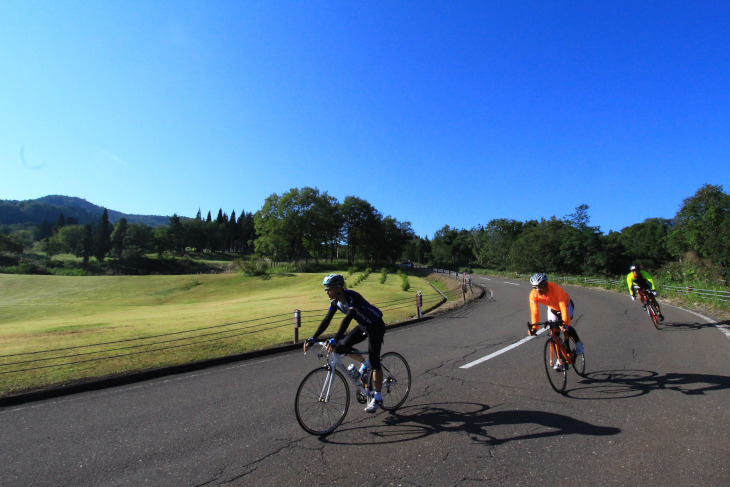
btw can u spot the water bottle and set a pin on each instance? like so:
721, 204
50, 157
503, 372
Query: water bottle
352, 370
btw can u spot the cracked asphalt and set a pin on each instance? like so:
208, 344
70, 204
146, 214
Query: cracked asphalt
653, 410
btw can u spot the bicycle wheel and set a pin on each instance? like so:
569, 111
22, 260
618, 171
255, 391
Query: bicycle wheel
653, 314
579, 360
319, 408
396, 380
557, 378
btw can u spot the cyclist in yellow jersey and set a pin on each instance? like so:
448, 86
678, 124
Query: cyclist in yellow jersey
642, 279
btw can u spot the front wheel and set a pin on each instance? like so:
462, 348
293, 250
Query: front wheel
558, 378
396, 380
322, 401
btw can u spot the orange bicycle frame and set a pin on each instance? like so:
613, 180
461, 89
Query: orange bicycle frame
557, 347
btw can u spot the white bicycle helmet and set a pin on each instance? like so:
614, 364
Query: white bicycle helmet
538, 279
333, 280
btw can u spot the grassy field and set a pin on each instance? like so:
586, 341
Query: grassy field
58, 330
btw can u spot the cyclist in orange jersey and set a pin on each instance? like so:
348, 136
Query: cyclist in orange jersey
559, 304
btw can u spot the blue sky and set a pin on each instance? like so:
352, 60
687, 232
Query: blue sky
437, 113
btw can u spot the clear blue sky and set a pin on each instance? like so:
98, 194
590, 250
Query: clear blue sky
437, 113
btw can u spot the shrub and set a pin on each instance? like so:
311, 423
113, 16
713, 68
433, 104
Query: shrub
252, 266
405, 285
383, 275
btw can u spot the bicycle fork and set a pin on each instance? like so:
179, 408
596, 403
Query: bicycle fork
324, 396
560, 352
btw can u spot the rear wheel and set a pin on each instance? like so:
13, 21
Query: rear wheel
653, 314
396, 380
558, 378
322, 401
579, 360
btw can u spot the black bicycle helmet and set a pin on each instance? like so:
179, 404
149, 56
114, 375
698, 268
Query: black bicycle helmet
333, 280
538, 279
635, 267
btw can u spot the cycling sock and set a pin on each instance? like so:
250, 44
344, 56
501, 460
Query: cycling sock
378, 397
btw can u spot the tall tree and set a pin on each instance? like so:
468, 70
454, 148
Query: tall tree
360, 222
117, 237
102, 237
72, 238
702, 225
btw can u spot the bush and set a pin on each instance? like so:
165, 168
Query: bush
405, 285
383, 275
252, 266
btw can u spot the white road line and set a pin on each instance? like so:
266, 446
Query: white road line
527, 339
512, 283
500, 352
709, 320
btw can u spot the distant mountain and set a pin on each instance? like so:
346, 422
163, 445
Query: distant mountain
50, 207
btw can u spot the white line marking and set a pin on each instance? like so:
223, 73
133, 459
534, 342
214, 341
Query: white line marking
500, 352
512, 283
709, 320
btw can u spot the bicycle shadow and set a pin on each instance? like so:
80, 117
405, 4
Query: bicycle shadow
420, 421
691, 326
621, 384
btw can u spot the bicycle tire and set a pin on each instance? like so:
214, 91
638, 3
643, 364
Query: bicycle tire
396, 380
653, 314
579, 359
557, 378
319, 417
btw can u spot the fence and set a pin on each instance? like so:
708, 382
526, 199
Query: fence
147, 352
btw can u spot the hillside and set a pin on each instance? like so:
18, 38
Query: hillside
50, 207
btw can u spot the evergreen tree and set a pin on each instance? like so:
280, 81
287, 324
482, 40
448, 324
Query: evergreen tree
102, 237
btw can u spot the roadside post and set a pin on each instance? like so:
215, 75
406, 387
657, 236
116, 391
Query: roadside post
297, 324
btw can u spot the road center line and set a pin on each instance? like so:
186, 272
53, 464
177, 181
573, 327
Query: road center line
500, 352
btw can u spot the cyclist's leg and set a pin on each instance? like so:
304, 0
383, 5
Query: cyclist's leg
375, 344
354, 337
554, 315
570, 332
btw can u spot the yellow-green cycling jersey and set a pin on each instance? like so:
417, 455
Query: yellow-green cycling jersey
644, 280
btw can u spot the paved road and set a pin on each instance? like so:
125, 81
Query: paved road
652, 411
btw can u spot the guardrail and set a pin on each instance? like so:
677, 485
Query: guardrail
704, 294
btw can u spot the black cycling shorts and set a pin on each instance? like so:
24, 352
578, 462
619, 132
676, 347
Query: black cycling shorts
374, 333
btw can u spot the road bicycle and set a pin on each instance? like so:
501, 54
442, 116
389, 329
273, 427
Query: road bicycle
650, 304
323, 397
561, 351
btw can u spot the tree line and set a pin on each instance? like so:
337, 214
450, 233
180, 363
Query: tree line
299, 225
699, 233
307, 224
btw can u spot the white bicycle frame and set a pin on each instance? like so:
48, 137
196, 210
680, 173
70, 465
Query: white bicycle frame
334, 360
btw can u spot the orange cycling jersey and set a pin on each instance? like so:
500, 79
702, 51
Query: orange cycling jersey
556, 299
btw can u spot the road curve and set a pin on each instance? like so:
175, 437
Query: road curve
653, 410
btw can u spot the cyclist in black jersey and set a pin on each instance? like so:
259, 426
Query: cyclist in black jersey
370, 325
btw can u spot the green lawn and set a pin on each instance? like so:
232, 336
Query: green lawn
98, 326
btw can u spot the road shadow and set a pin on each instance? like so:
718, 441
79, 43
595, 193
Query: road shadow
420, 421
691, 326
620, 384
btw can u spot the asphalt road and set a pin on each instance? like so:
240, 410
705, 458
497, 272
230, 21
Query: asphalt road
652, 411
